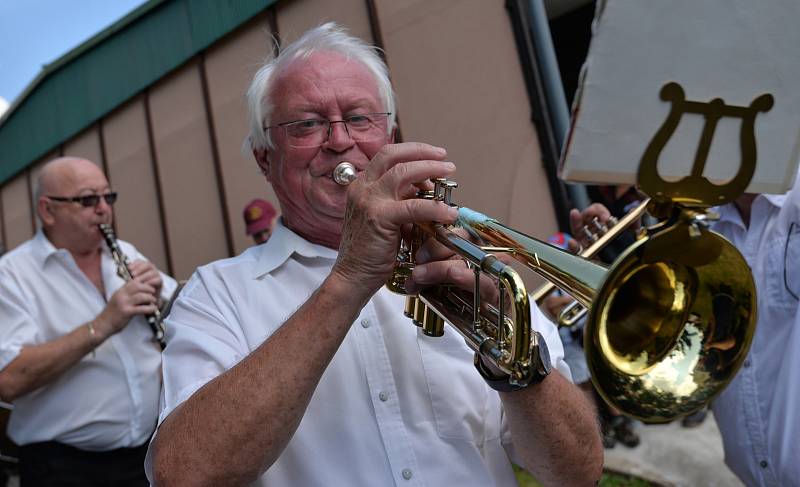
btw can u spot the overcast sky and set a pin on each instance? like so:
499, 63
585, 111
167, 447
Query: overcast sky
37, 32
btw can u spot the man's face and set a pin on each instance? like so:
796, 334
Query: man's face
71, 224
325, 86
262, 236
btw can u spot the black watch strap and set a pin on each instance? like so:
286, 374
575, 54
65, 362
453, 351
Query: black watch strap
540, 368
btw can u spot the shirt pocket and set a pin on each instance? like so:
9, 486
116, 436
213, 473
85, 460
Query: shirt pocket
463, 406
782, 276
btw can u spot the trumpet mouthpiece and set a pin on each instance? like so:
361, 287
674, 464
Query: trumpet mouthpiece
344, 174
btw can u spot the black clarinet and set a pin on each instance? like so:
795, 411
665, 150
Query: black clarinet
154, 320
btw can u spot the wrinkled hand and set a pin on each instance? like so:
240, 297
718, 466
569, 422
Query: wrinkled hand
437, 264
134, 298
580, 219
146, 272
380, 202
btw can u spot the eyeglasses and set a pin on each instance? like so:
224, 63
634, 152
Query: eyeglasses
88, 201
366, 127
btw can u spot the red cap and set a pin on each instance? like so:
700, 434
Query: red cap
258, 216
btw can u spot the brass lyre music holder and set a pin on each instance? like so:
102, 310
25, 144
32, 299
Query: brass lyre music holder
696, 189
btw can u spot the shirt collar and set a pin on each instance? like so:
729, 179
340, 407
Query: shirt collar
729, 213
43, 248
280, 247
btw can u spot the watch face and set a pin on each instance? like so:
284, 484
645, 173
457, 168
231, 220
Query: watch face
544, 355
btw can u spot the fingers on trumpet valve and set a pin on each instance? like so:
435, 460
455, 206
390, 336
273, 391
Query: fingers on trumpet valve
595, 229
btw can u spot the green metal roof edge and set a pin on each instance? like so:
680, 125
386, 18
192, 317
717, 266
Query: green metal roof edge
99, 75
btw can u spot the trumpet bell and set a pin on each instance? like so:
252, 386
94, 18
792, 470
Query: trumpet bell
668, 330
670, 321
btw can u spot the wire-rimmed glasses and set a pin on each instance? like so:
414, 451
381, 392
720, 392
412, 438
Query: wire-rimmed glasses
366, 127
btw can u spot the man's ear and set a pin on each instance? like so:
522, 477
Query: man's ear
262, 159
43, 209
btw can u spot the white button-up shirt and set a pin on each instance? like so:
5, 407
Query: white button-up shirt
759, 412
107, 400
394, 407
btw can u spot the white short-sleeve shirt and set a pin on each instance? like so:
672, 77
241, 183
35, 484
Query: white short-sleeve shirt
107, 400
394, 407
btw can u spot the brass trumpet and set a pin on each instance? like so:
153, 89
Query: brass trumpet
670, 321
605, 234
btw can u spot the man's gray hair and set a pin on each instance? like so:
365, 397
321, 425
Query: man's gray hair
329, 37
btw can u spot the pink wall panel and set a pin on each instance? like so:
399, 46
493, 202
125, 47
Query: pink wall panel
186, 171
131, 172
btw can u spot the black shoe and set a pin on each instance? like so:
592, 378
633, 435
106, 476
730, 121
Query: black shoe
609, 441
607, 430
625, 433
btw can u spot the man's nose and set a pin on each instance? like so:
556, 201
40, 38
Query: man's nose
102, 206
339, 137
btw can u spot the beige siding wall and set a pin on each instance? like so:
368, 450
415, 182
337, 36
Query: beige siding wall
297, 16
34, 171
85, 145
186, 170
175, 151
130, 170
229, 67
459, 85
17, 211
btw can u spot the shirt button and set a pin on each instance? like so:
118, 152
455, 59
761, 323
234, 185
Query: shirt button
383, 396
407, 473
365, 323
763, 464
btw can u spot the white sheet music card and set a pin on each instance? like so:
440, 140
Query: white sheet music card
732, 50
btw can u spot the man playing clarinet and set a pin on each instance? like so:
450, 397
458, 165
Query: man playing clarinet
77, 357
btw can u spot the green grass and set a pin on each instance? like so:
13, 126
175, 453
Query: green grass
609, 479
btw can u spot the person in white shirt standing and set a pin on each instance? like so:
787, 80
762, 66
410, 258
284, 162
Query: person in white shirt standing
757, 413
77, 358
291, 364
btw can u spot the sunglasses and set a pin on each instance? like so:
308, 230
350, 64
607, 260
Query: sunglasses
88, 201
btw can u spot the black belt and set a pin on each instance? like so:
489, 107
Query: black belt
62, 449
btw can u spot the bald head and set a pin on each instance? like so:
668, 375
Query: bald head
69, 224
66, 176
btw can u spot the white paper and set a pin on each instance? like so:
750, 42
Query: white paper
735, 50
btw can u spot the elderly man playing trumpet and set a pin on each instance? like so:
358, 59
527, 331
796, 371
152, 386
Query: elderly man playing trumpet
291, 364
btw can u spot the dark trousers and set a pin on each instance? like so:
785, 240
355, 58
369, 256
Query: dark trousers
53, 464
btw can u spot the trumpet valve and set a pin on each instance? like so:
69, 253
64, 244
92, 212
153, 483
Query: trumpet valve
411, 305
590, 235
598, 229
419, 312
443, 190
400, 274
432, 323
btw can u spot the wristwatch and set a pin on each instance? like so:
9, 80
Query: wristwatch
540, 368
